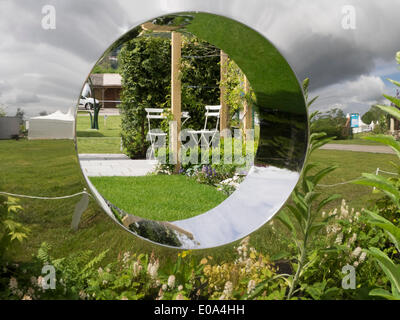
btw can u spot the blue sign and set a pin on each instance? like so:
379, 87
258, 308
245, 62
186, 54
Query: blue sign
354, 120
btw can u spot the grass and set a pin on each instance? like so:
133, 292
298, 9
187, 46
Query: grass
105, 140
162, 197
50, 168
99, 145
357, 141
350, 166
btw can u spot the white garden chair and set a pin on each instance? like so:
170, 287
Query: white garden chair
157, 113
205, 133
154, 113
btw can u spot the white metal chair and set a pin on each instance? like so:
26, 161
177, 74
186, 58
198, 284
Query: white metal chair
154, 113
211, 111
157, 113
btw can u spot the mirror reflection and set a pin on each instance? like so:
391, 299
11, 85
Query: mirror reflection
189, 137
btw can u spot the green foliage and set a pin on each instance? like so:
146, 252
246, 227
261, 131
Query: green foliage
390, 187
141, 276
332, 123
10, 229
235, 94
302, 215
145, 75
374, 114
146, 80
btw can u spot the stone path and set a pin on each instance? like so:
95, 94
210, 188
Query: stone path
358, 148
114, 165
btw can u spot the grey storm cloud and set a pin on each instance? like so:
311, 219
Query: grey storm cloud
307, 32
328, 59
3, 86
26, 98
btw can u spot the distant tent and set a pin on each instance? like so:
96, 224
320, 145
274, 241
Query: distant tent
57, 125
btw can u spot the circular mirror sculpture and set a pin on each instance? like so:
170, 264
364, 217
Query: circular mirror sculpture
282, 142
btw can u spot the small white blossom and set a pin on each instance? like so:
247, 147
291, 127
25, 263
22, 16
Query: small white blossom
251, 286
171, 281
228, 289
339, 239
356, 252
362, 257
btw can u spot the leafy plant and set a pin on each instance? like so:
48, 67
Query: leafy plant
301, 217
146, 80
10, 229
390, 187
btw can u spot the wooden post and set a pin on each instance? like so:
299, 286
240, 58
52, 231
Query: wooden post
224, 117
248, 112
176, 94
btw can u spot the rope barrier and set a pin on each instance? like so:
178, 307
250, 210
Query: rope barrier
392, 173
44, 198
337, 184
350, 181
80, 207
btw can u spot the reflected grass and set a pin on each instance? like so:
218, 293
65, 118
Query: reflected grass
159, 197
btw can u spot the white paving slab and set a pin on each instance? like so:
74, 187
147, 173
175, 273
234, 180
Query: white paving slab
114, 165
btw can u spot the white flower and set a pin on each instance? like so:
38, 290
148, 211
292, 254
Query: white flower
228, 289
137, 267
180, 287
152, 269
362, 257
126, 257
40, 281
339, 239
82, 295
251, 286
171, 281
164, 287
356, 252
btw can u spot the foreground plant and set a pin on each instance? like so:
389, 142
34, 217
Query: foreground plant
10, 229
390, 187
301, 218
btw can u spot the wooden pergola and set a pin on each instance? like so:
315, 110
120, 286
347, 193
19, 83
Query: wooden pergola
176, 88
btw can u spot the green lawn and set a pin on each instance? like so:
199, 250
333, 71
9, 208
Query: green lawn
50, 168
357, 141
105, 140
162, 197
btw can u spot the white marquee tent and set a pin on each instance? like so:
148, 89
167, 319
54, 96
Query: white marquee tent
57, 125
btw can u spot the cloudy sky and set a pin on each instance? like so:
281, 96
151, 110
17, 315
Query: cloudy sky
44, 70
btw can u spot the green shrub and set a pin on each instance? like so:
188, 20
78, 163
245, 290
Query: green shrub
145, 64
